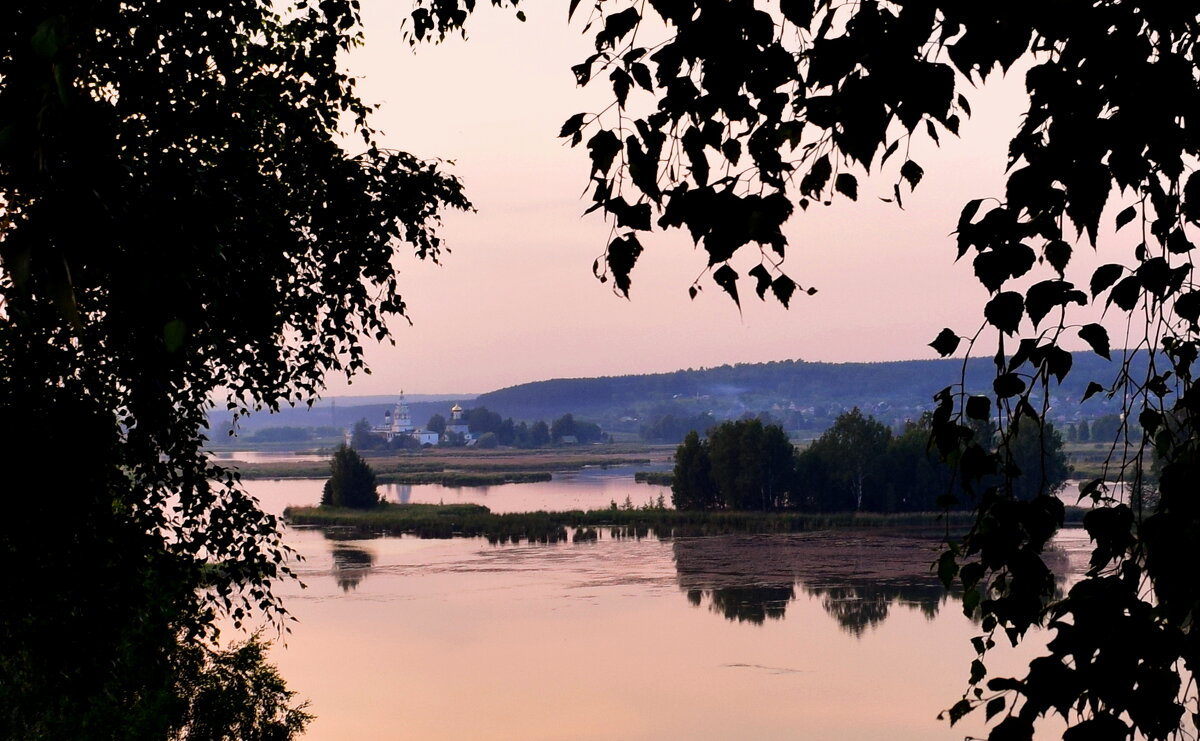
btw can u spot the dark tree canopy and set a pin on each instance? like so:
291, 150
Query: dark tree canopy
754, 109
849, 451
351, 481
1041, 465
742, 465
178, 223
692, 485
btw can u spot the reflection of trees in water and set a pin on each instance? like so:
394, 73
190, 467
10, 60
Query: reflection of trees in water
753, 604
860, 605
858, 577
351, 563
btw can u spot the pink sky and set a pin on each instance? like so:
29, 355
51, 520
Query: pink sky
515, 301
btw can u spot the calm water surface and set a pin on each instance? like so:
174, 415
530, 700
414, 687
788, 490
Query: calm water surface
812, 636
592, 488
267, 456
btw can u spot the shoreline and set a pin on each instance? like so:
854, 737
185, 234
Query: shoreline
473, 520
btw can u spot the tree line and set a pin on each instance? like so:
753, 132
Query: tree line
830, 388
859, 464
489, 430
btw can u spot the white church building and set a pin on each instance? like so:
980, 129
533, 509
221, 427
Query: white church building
397, 422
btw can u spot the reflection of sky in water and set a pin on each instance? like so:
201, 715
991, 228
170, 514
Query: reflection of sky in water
456, 639
266, 456
588, 489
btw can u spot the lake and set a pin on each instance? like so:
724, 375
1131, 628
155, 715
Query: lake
590, 488
809, 636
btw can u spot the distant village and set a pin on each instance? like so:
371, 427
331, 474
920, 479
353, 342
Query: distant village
398, 425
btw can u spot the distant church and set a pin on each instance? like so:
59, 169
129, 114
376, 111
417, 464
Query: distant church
457, 425
397, 422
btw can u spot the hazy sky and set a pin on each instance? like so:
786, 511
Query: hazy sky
516, 301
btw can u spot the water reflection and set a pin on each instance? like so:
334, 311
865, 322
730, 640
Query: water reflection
746, 604
861, 605
858, 578
351, 563
403, 493
438, 621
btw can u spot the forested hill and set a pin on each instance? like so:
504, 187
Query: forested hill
891, 389
804, 397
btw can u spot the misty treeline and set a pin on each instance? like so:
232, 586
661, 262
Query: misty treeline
859, 464
801, 395
489, 430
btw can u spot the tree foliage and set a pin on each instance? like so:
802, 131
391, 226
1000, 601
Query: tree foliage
751, 464
692, 485
849, 450
742, 465
859, 464
362, 437
178, 222
233, 695
1040, 465
351, 481
567, 426
757, 108
670, 428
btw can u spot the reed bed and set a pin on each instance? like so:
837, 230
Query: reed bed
472, 520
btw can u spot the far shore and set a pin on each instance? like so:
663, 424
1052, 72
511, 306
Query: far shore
471, 467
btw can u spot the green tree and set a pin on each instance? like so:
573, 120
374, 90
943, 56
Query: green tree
853, 449
1041, 465
588, 432
914, 477
671, 428
1106, 427
363, 438
351, 481
562, 427
234, 694
507, 434
481, 420
179, 223
692, 485
521, 437
539, 434
751, 464
436, 423
487, 440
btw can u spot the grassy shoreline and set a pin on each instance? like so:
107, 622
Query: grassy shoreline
472, 520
